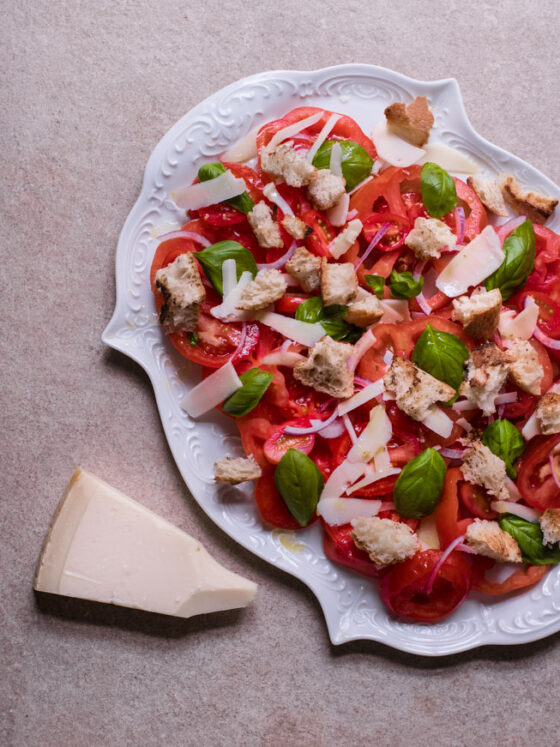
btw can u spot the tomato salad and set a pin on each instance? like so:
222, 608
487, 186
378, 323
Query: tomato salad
388, 347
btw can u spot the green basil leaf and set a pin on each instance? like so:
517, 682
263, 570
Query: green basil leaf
213, 257
504, 440
356, 161
241, 202
520, 249
442, 355
255, 383
193, 339
438, 190
377, 284
311, 310
529, 537
331, 319
299, 482
403, 285
419, 486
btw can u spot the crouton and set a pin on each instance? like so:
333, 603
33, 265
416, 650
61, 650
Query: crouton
267, 287
479, 314
413, 122
326, 189
535, 206
364, 310
385, 541
234, 470
305, 268
525, 369
487, 371
326, 368
487, 538
429, 237
346, 238
265, 228
339, 282
183, 292
482, 467
548, 413
415, 390
284, 162
294, 226
489, 193
550, 525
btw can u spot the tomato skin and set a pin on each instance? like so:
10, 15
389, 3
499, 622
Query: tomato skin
527, 575
535, 481
403, 586
270, 504
475, 214
340, 548
289, 302
476, 500
447, 511
321, 235
279, 442
395, 235
549, 311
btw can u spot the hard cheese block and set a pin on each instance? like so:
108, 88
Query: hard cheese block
106, 547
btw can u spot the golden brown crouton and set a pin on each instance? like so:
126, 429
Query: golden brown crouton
265, 228
489, 193
480, 313
385, 541
482, 467
326, 189
284, 162
550, 525
415, 390
535, 206
525, 369
234, 470
413, 122
326, 368
487, 538
267, 287
294, 226
183, 292
339, 283
364, 310
487, 371
548, 413
305, 268
429, 237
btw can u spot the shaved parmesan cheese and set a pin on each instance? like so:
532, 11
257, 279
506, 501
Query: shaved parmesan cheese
394, 311
521, 325
509, 507
211, 391
465, 425
382, 461
448, 158
201, 195
438, 422
341, 243
373, 438
226, 311
531, 428
372, 477
368, 393
322, 136
303, 332
335, 163
394, 149
427, 533
473, 264
293, 129
282, 358
338, 214
337, 511
229, 276
244, 149
341, 478
272, 194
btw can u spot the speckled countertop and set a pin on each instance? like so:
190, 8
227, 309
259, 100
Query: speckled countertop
88, 89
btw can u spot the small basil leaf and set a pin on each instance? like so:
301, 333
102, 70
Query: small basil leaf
529, 537
299, 482
442, 355
520, 249
213, 257
420, 484
356, 161
403, 285
241, 202
255, 383
438, 190
504, 440
193, 339
311, 310
377, 284
331, 319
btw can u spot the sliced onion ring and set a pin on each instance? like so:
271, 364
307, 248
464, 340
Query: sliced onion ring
460, 224
291, 430
373, 243
446, 553
202, 240
280, 262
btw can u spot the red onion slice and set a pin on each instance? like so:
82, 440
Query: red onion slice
504, 230
291, 430
373, 243
202, 240
280, 262
239, 348
538, 334
358, 381
460, 224
360, 349
446, 553
506, 398
452, 453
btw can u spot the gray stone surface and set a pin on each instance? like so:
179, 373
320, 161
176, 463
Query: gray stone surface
88, 88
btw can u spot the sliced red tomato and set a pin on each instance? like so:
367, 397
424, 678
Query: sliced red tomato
270, 504
322, 233
549, 311
221, 214
279, 442
217, 341
476, 217
386, 188
535, 481
340, 548
527, 575
476, 500
289, 302
447, 512
394, 236
403, 588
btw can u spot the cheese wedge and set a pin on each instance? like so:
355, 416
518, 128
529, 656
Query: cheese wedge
105, 547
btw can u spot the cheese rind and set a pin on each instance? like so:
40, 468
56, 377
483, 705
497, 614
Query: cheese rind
105, 547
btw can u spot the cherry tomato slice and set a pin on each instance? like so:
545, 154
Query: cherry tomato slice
340, 548
270, 504
476, 500
279, 442
289, 303
322, 233
394, 236
527, 575
535, 481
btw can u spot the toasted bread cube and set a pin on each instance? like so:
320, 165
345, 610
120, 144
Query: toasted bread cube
284, 162
339, 283
265, 228
305, 268
480, 313
413, 122
487, 371
429, 237
550, 525
386, 542
346, 238
234, 470
326, 368
525, 369
489, 193
294, 226
183, 292
364, 310
267, 287
415, 390
536, 207
326, 189
548, 413
482, 467
487, 538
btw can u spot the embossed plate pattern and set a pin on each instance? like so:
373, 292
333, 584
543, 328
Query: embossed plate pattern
351, 605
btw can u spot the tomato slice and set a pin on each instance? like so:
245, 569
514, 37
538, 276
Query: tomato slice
220, 214
535, 481
340, 548
476, 500
217, 342
403, 586
270, 504
394, 236
289, 302
447, 512
527, 575
279, 442
549, 311
476, 217
322, 233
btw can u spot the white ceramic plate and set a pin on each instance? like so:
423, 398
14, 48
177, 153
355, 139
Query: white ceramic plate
351, 605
